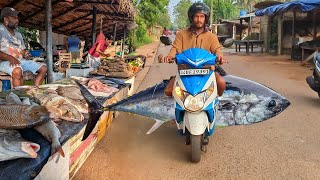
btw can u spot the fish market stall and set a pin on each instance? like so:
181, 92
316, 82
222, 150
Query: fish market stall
67, 109
121, 68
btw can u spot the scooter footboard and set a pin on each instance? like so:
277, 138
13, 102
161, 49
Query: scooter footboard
196, 123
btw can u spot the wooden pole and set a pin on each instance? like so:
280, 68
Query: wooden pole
241, 29
293, 28
280, 34
114, 33
314, 25
260, 28
250, 28
94, 25
293, 33
114, 37
211, 13
124, 41
49, 57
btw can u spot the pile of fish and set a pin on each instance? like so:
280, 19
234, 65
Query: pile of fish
63, 102
114, 68
94, 85
19, 114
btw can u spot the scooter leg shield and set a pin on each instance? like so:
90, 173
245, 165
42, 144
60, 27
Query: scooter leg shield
196, 123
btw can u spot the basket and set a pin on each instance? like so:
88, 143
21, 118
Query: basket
36, 53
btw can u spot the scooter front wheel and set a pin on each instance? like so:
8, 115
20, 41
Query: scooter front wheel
195, 148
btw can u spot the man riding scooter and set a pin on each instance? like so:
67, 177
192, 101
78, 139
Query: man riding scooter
197, 35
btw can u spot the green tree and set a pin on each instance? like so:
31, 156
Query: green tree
28, 35
149, 13
181, 13
153, 11
224, 9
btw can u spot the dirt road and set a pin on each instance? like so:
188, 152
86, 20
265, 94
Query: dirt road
284, 147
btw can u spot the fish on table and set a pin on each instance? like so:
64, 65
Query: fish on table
52, 134
13, 146
19, 116
16, 116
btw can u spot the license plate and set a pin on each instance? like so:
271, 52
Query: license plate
190, 72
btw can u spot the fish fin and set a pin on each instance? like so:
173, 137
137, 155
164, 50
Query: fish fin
155, 126
95, 109
88, 97
61, 152
56, 148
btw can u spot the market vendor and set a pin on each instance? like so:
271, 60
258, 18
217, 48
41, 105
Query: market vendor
97, 51
13, 53
74, 45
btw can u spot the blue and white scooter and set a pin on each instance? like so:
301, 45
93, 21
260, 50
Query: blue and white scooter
196, 95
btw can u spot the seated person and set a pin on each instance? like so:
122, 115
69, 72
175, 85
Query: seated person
13, 52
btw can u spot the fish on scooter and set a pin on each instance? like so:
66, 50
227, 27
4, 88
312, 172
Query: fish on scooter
244, 102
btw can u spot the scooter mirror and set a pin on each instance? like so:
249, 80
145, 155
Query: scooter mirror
228, 42
165, 40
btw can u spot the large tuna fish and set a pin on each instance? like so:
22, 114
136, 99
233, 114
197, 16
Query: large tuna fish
244, 102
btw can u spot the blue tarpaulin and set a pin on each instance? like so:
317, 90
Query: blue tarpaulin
304, 6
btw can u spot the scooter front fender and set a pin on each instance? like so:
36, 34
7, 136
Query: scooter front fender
196, 123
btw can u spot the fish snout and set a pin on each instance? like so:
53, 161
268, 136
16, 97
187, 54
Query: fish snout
30, 148
278, 105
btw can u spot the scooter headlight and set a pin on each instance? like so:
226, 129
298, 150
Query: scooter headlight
195, 103
209, 91
179, 92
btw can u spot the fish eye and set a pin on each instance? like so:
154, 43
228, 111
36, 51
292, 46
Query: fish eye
272, 103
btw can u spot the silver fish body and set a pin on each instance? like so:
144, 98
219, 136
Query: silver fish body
15, 116
52, 134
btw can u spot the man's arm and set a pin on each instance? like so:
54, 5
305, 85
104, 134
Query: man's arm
216, 47
177, 46
7, 57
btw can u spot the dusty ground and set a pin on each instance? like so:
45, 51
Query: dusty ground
284, 147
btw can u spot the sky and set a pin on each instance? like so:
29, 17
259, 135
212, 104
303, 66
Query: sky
171, 7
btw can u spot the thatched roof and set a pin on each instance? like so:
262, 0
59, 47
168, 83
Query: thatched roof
74, 16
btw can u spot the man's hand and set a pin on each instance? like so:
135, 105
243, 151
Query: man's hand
14, 62
168, 59
26, 54
221, 60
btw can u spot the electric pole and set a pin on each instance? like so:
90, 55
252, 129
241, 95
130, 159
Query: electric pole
211, 13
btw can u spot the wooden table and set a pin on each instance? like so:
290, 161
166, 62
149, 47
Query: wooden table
248, 43
305, 60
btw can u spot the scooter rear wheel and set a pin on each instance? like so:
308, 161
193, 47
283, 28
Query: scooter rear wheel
195, 148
